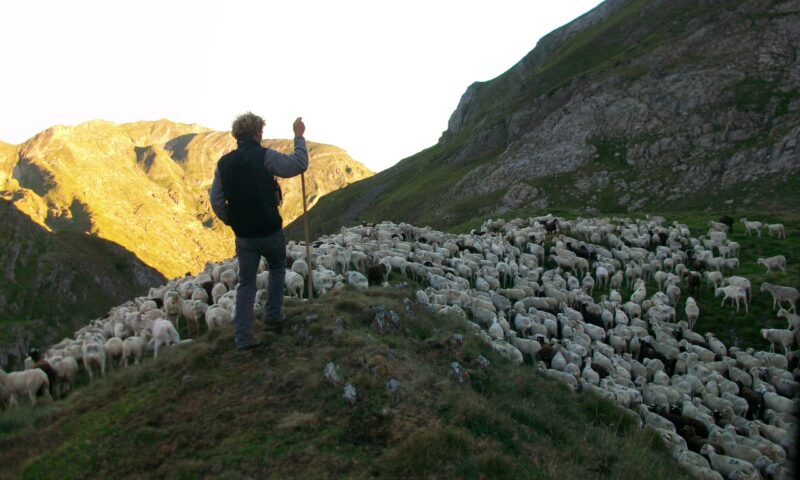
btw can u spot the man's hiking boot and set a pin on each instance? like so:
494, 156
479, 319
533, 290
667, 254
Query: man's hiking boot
251, 346
275, 325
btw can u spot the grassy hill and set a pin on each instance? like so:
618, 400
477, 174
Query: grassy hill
207, 410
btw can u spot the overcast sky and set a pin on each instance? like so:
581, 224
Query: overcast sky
376, 78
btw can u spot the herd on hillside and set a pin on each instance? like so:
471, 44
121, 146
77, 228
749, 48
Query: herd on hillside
724, 412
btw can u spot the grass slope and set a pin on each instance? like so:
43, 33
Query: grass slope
207, 410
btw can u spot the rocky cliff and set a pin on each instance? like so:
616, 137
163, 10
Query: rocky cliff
145, 186
637, 105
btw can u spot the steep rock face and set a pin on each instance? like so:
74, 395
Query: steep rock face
54, 283
637, 105
680, 97
145, 186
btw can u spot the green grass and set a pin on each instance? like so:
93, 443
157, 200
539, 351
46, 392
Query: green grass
207, 410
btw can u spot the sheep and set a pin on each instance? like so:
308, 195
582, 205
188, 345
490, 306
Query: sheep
727, 465
133, 347
32, 382
692, 312
782, 294
357, 280
94, 353
66, 369
114, 351
217, 316
714, 278
778, 336
193, 311
750, 226
777, 229
777, 261
793, 320
735, 294
294, 284
164, 334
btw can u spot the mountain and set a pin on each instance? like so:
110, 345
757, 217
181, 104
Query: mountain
56, 282
635, 106
144, 185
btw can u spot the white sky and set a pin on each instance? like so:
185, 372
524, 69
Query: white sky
376, 78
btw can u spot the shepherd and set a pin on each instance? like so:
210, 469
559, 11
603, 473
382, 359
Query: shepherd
246, 197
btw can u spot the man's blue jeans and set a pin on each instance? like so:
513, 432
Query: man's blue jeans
249, 252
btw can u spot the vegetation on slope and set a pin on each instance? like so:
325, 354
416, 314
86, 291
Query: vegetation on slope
205, 409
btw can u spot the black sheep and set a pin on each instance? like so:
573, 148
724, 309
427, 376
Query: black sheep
727, 220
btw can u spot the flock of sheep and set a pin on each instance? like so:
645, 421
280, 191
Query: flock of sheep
723, 412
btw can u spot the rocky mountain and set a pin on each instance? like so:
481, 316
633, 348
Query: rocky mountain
145, 186
55, 282
638, 105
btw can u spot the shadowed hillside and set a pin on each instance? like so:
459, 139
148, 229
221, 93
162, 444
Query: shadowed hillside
54, 283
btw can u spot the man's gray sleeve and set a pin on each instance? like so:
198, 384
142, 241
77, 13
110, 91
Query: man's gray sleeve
286, 166
217, 198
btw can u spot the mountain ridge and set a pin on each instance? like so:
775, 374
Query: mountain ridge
145, 186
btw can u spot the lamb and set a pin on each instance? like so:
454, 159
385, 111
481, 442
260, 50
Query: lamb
133, 347
692, 312
735, 294
792, 319
294, 283
114, 351
749, 226
164, 333
357, 280
777, 229
66, 370
782, 294
31, 382
778, 336
217, 316
777, 261
728, 465
94, 353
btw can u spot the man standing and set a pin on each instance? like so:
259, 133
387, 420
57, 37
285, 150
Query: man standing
245, 196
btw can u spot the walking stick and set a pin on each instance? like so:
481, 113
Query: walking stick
308, 245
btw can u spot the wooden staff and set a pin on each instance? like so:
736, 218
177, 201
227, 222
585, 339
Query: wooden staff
308, 244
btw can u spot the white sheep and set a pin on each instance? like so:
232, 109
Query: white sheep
357, 280
66, 368
728, 465
750, 226
164, 334
733, 292
782, 294
217, 316
31, 382
692, 312
133, 347
778, 336
792, 319
777, 229
294, 284
114, 351
94, 354
777, 261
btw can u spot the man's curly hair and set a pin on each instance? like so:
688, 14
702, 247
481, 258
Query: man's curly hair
246, 126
